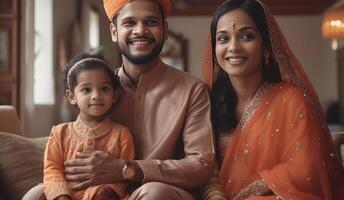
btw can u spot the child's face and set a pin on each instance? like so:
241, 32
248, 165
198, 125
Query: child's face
94, 93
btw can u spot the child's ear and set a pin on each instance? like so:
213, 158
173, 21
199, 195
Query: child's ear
71, 97
115, 96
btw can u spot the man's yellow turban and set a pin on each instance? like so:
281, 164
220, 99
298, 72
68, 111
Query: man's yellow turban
112, 7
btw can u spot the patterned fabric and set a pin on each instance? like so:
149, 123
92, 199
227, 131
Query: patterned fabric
284, 144
68, 138
257, 188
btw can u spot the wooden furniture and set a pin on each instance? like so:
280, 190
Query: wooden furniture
9, 53
175, 51
9, 120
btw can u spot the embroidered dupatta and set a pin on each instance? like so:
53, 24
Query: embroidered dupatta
283, 137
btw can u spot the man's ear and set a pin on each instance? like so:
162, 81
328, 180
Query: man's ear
113, 31
71, 97
165, 30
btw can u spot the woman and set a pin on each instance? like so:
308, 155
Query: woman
271, 135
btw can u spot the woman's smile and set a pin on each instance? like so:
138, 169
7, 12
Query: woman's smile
236, 60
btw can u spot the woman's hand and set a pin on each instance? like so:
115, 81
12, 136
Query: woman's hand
257, 188
93, 168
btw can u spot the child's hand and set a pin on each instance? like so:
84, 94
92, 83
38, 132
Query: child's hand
106, 193
63, 197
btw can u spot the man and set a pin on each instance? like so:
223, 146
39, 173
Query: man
168, 112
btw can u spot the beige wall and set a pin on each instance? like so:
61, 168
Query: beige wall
38, 120
314, 53
195, 30
303, 34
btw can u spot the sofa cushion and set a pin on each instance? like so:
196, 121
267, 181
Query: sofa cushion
9, 120
21, 164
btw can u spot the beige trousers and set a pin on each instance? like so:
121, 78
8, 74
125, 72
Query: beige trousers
148, 191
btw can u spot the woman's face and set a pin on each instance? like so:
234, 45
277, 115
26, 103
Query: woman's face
239, 45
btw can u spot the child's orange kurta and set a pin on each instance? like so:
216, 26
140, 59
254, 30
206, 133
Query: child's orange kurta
281, 140
69, 138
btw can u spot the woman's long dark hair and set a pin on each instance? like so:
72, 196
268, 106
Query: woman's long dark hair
223, 96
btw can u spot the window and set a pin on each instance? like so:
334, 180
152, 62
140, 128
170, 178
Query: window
43, 88
94, 30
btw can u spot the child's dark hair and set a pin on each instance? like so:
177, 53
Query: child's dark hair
86, 62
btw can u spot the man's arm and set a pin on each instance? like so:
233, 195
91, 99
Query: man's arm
99, 167
197, 165
193, 170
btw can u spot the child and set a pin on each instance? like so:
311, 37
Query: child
90, 84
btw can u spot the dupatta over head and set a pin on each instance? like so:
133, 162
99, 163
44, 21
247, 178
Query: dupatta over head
297, 130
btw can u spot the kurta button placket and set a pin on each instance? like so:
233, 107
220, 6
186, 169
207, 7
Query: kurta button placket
138, 106
90, 144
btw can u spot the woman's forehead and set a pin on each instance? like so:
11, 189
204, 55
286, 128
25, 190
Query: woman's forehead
235, 19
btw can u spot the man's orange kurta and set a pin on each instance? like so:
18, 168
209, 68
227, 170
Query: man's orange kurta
281, 140
68, 138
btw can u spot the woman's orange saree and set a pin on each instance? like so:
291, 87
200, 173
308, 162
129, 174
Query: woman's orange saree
282, 138
281, 141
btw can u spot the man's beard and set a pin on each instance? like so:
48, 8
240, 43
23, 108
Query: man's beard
140, 59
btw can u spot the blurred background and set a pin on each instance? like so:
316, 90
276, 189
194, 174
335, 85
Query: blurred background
37, 37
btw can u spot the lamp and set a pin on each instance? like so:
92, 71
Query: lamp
333, 25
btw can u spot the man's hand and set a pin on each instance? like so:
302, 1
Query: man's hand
63, 197
105, 193
94, 168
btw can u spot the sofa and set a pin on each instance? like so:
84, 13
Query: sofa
21, 164
21, 158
